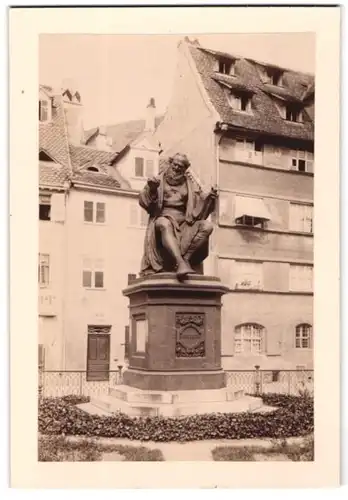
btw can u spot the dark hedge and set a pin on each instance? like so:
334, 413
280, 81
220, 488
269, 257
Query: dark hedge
294, 417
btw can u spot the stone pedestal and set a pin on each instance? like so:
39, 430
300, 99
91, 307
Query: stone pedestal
175, 333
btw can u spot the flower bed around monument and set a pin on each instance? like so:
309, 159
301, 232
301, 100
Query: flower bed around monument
294, 417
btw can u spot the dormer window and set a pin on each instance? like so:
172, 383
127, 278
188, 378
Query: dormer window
293, 113
239, 101
44, 110
226, 66
272, 76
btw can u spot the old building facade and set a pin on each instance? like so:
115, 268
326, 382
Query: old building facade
248, 127
87, 211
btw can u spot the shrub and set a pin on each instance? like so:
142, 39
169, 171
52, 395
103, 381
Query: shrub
294, 417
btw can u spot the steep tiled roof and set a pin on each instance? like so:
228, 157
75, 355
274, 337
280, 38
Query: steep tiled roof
53, 137
52, 174
265, 117
81, 155
95, 179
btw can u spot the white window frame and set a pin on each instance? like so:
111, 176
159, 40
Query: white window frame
301, 218
247, 275
251, 334
93, 266
96, 205
300, 278
300, 155
44, 270
303, 334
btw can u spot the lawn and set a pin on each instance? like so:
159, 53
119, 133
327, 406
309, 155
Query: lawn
60, 449
303, 452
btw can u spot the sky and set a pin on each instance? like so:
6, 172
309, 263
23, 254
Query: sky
117, 74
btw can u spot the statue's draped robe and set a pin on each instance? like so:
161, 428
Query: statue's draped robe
153, 257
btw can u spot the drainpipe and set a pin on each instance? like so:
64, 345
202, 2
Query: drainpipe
65, 276
219, 133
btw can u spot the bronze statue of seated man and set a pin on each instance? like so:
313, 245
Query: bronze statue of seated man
178, 231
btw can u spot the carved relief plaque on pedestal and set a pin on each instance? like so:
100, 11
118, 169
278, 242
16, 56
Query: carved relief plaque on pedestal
190, 335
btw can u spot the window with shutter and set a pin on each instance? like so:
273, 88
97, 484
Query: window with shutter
225, 209
301, 278
149, 168
93, 273
301, 218
139, 167
44, 269
248, 275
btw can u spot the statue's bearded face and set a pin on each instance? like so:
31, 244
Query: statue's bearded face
176, 171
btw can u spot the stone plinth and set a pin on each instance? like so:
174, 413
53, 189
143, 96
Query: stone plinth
175, 333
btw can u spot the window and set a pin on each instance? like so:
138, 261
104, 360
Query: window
226, 67
302, 160
248, 150
43, 156
301, 218
272, 76
248, 275
301, 278
251, 212
45, 207
303, 336
43, 111
138, 216
44, 269
240, 102
139, 167
248, 339
94, 212
149, 168
93, 273
293, 113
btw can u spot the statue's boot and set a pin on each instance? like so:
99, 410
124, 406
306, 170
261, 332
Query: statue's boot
183, 270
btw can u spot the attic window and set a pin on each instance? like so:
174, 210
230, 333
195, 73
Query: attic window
45, 207
225, 66
43, 156
240, 101
93, 169
272, 76
293, 113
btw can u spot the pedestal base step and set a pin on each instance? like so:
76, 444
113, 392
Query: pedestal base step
136, 402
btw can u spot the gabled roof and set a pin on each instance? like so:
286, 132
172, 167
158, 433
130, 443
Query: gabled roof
126, 132
265, 117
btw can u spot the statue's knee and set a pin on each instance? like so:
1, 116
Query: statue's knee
162, 223
207, 226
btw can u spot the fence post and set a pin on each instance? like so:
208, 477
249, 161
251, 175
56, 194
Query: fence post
80, 383
40, 382
289, 382
257, 380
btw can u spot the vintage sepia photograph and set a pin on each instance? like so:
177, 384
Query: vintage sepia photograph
176, 247
178, 295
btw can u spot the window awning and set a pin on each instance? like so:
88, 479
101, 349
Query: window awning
251, 207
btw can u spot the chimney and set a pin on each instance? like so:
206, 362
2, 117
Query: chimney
150, 116
73, 109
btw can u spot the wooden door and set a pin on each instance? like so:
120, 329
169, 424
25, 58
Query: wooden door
98, 356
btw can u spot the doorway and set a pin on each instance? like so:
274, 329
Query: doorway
98, 356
